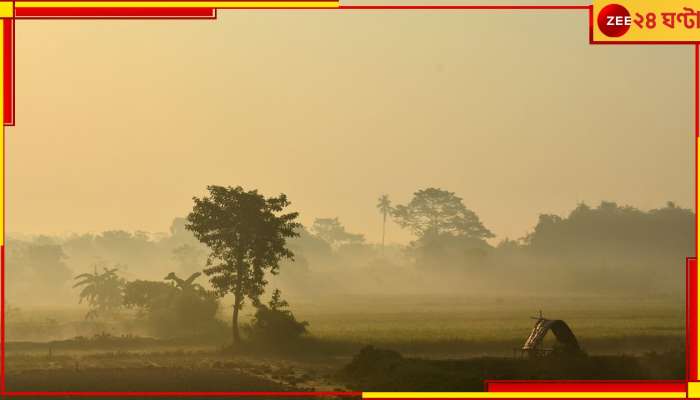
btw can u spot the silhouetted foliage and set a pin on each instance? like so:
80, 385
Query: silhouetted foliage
384, 207
130, 250
178, 308
334, 233
274, 323
37, 262
247, 236
604, 248
635, 250
611, 228
185, 284
438, 212
102, 291
147, 295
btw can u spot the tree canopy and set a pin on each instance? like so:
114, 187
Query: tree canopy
247, 236
334, 233
437, 212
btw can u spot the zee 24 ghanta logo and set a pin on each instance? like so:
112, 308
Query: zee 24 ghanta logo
614, 20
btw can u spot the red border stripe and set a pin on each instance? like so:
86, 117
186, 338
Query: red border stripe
691, 319
115, 12
9, 71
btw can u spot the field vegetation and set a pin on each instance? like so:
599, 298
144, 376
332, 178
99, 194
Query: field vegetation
240, 296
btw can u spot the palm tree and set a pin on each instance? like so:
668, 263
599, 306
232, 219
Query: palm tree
185, 284
102, 291
384, 206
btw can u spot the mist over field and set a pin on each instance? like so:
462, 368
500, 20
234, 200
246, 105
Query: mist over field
613, 272
605, 249
350, 201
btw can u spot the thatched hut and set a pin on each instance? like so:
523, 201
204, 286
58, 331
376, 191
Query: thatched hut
566, 340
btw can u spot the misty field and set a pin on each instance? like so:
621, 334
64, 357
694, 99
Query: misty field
427, 327
397, 320
409, 239
427, 320
444, 312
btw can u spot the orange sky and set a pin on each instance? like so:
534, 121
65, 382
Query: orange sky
120, 123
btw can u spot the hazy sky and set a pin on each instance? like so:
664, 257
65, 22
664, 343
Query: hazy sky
120, 123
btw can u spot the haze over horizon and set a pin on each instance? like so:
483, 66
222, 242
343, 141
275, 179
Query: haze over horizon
120, 123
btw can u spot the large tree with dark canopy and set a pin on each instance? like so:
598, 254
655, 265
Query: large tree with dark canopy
435, 212
247, 236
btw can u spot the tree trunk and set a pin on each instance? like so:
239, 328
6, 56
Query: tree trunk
237, 300
234, 321
383, 232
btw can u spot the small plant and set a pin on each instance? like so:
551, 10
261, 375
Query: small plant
102, 291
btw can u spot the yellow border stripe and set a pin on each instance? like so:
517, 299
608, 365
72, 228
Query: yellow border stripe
7, 9
175, 4
529, 395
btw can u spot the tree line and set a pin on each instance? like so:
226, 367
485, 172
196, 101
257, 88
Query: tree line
240, 238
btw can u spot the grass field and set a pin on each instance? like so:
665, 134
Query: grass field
438, 328
596, 321
412, 319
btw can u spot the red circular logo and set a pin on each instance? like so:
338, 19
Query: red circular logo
614, 20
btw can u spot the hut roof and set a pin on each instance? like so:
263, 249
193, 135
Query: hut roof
561, 331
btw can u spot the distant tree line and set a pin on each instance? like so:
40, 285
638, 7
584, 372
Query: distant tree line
241, 240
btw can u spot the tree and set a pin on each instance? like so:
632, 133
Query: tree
102, 291
333, 232
275, 324
247, 236
39, 262
612, 247
435, 212
384, 207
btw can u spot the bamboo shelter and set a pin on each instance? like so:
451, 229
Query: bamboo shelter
566, 340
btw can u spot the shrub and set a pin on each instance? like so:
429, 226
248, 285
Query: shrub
180, 308
275, 324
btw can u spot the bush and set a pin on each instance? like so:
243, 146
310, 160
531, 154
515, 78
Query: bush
176, 309
275, 324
